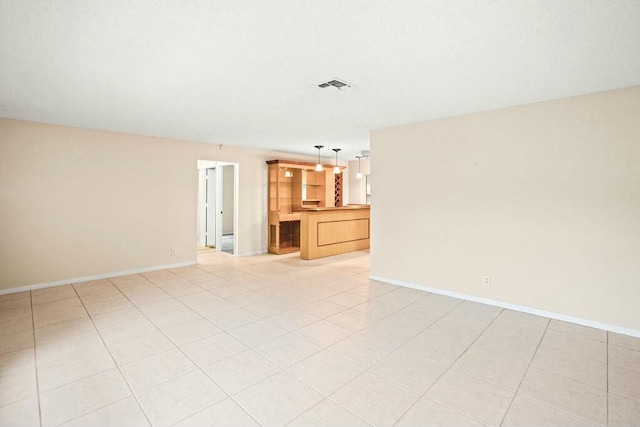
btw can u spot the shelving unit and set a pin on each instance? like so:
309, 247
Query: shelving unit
294, 186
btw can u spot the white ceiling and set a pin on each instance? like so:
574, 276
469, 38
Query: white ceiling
245, 72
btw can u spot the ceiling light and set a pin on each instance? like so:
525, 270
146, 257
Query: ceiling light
359, 174
319, 167
336, 170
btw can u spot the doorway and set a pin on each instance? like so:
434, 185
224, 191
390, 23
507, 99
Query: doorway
217, 206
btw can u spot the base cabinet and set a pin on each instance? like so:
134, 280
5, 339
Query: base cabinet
333, 231
284, 237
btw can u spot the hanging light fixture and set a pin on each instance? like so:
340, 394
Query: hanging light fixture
359, 174
319, 167
336, 170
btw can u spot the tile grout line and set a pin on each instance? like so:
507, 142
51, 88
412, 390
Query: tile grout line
567, 378
35, 358
354, 333
287, 371
138, 309
367, 369
396, 348
95, 410
194, 311
114, 361
324, 396
318, 321
525, 372
375, 340
450, 367
327, 398
282, 369
375, 373
551, 372
198, 368
212, 322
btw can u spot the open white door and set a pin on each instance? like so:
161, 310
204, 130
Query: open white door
210, 207
227, 207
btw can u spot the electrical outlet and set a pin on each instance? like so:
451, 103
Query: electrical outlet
173, 251
486, 280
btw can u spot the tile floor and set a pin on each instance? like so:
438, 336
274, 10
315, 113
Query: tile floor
273, 340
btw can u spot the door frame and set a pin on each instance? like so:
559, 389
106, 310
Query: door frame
220, 204
209, 180
201, 216
203, 165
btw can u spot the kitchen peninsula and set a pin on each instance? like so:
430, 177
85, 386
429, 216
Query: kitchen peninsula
333, 230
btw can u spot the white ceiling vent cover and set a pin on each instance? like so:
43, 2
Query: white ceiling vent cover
336, 83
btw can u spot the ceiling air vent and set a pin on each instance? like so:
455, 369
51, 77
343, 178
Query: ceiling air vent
338, 84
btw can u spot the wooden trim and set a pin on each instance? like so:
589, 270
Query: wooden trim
294, 163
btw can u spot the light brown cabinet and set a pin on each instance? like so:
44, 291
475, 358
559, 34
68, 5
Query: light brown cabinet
332, 231
295, 186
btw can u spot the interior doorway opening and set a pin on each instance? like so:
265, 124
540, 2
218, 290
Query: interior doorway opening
217, 206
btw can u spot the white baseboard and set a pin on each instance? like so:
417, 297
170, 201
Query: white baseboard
515, 307
96, 277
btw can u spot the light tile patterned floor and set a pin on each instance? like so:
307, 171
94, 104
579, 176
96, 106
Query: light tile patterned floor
274, 340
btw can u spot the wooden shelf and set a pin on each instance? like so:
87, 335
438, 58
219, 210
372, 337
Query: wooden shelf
303, 189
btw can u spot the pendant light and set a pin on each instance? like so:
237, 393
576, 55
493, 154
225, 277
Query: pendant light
359, 174
336, 170
319, 167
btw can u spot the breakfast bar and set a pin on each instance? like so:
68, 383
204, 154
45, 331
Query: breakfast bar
326, 231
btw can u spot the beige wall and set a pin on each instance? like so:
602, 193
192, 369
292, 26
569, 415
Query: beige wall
78, 203
358, 187
544, 199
